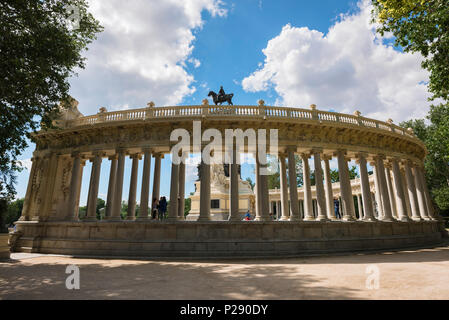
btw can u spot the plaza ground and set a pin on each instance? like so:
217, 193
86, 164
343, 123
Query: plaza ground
410, 274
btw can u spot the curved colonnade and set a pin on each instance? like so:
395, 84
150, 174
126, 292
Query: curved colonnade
403, 216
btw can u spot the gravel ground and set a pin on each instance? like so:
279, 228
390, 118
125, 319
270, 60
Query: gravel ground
412, 274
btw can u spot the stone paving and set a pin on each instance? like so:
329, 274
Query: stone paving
412, 274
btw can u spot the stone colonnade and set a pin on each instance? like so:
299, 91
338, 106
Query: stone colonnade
400, 190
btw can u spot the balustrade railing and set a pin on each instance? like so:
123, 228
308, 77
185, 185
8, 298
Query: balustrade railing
233, 111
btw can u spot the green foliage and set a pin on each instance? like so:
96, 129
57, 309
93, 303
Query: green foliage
251, 183
420, 26
435, 135
38, 53
187, 206
11, 213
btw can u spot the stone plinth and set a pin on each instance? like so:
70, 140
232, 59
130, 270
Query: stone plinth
4, 247
222, 239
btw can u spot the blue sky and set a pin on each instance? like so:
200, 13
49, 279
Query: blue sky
290, 53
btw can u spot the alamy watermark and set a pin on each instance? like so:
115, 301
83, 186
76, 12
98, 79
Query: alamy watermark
72, 282
258, 142
73, 17
372, 281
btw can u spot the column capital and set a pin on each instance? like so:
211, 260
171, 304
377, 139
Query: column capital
379, 157
362, 154
326, 157
137, 156
121, 150
113, 157
304, 155
291, 149
337, 152
316, 150
158, 155
147, 150
97, 153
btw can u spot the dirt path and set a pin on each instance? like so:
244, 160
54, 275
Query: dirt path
417, 274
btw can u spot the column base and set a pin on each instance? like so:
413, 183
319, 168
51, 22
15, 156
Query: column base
309, 219
369, 219
388, 219
323, 219
202, 219
130, 218
348, 219
263, 219
90, 219
405, 219
294, 219
284, 218
113, 219
417, 219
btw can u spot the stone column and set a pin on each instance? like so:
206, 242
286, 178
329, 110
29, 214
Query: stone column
145, 191
308, 210
75, 184
205, 192
117, 208
320, 196
377, 194
365, 187
412, 192
359, 206
420, 194
133, 187
111, 186
429, 203
405, 190
284, 188
386, 204
25, 216
93, 188
234, 187
174, 192
257, 190
345, 187
400, 197
156, 178
328, 188
294, 204
390, 190
263, 192
182, 185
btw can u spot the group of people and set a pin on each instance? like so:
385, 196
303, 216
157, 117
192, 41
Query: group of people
159, 208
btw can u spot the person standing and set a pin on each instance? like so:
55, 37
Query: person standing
337, 208
154, 207
162, 208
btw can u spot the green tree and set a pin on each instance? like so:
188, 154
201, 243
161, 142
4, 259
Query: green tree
39, 51
420, 26
187, 206
11, 214
251, 183
435, 135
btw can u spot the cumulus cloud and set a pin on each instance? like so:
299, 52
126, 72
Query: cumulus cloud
349, 68
142, 53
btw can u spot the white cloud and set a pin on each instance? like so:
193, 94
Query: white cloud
141, 55
26, 163
350, 68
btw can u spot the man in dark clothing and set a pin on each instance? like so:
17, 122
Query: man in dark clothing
337, 208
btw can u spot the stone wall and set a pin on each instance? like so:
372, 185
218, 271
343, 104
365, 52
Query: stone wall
222, 239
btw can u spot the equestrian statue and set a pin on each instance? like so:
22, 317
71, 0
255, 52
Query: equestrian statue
221, 97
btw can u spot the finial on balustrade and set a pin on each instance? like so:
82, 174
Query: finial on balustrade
150, 104
205, 102
390, 121
103, 110
313, 106
410, 131
261, 103
357, 113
